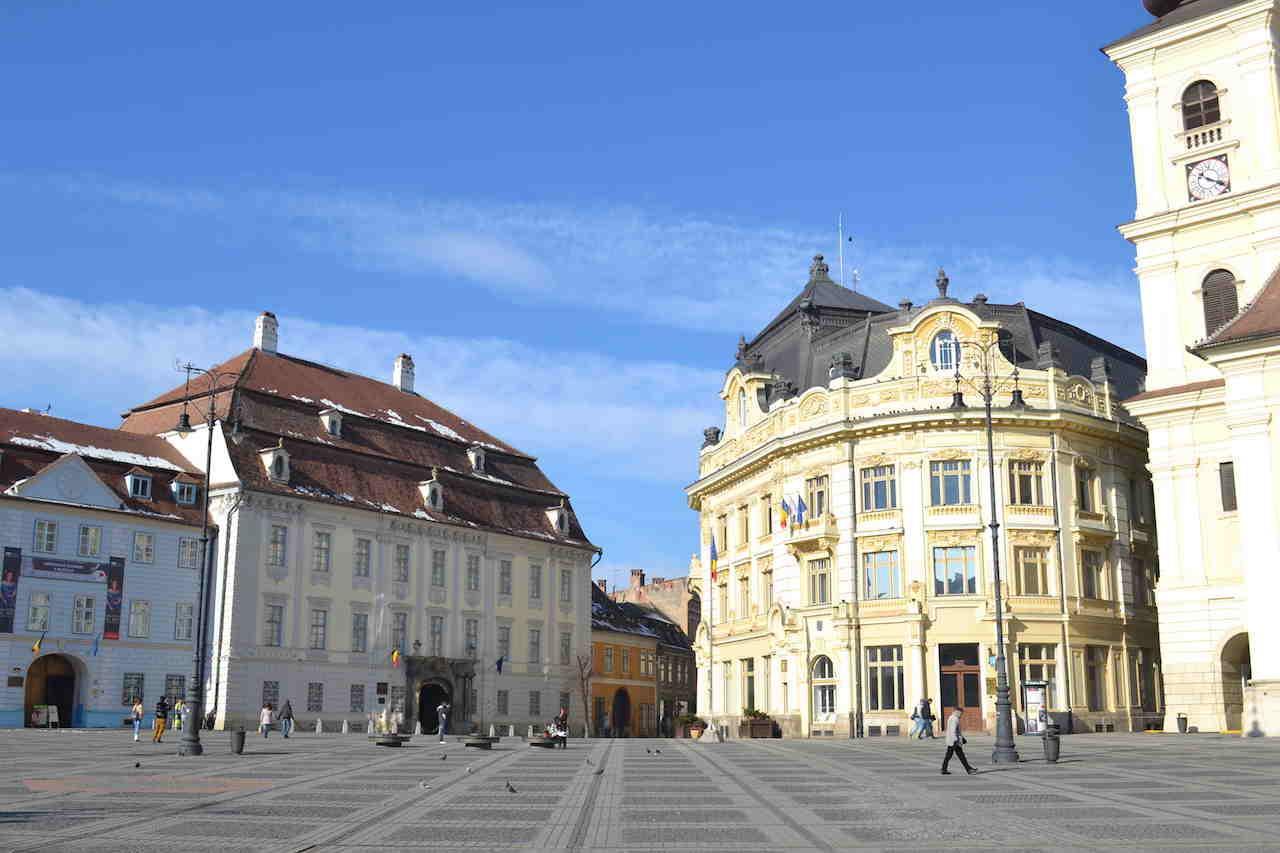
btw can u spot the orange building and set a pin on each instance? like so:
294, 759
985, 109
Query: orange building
624, 671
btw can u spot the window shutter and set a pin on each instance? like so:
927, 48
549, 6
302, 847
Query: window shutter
1220, 305
1227, 479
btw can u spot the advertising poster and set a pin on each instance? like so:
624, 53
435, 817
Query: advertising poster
115, 598
69, 570
9, 574
1034, 700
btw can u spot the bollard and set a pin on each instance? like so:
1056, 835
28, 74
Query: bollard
368, 729
531, 731
1052, 743
492, 732
346, 729
319, 727
511, 730
1182, 724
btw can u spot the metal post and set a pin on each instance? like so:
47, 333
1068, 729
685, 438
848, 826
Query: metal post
1005, 752
190, 743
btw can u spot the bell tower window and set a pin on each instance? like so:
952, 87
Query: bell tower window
1200, 105
1221, 303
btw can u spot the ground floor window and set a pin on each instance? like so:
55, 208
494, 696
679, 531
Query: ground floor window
1037, 662
175, 687
504, 703
315, 696
271, 693
885, 681
535, 704
1095, 680
357, 698
824, 688
1146, 667
132, 688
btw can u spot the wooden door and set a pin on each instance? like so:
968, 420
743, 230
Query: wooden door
961, 683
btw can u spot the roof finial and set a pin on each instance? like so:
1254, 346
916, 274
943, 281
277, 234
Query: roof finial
742, 347
818, 270
943, 283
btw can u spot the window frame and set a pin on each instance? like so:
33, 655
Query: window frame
819, 574
504, 642
83, 605
179, 620
144, 547
505, 571
968, 555
273, 637
38, 615
1201, 107
946, 471
140, 487
882, 661
535, 645
439, 566
188, 552
359, 633
436, 634
277, 545
1093, 577
817, 489
535, 581
139, 606
45, 536
951, 361
402, 562
872, 571
318, 629
362, 557
1026, 482
1034, 557
321, 551
186, 493
1227, 492
879, 481
399, 630
96, 550
473, 573
138, 681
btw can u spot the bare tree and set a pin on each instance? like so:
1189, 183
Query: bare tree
584, 684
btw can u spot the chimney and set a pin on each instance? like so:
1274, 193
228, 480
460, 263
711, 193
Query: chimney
266, 332
402, 374
603, 583
637, 578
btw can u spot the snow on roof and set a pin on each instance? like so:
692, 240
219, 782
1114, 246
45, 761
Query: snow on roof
47, 442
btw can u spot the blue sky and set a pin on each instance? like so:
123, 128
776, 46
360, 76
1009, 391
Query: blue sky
567, 212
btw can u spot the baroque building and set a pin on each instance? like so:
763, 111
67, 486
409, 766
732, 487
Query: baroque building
837, 624
1202, 87
101, 538
377, 554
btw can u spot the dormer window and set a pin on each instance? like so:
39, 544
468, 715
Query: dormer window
1200, 105
432, 492
742, 408
185, 493
944, 352
332, 420
276, 461
559, 518
139, 485
476, 454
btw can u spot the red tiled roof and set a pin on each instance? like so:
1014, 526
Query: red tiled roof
1176, 389
31, 442
1259, 319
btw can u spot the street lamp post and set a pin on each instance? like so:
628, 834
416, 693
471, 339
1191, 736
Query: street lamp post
190, 743
988, 383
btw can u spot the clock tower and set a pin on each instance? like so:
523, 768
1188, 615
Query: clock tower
1203, 97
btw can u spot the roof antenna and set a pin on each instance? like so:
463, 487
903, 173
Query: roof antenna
840, 243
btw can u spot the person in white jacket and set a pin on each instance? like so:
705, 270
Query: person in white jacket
955, 743
264, 719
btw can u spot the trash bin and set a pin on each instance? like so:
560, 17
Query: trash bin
1052, 743
237, 742
1182, 724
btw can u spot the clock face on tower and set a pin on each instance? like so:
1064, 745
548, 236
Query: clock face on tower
1208, 178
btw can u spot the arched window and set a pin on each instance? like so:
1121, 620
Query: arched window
824, 688
1200, 105
742, 408
1220, 301
277, 467
944, 352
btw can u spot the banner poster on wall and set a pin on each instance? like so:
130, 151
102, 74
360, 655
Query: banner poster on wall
9, 574
115, 597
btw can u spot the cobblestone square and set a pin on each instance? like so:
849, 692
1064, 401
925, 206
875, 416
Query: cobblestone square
98, 791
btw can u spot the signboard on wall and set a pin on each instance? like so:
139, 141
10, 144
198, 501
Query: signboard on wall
1035, 701
115, 598
70, 570
9, 575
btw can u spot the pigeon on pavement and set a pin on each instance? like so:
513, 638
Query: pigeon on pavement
510, 789
468, 769
648, 751
598, 772
657, 752
137, 764
443, 757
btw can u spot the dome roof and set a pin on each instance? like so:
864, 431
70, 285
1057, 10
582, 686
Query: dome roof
1160, 8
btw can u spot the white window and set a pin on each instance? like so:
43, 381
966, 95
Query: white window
566, 585
1037, 662
399, 630
824, 689
319, 628
271, 693
402, 563
364, 548
82, 615
279, 545
359, 632
944, 352
949, 482
608, 659
535, 645
188, 553
819, 581
315, 696
504, 641
955, 571
90, 541
472, 629
1032, 570
183, 620
885, 678
46, 537
273, 626
816, 489
473, 573
131, 689
437, 568
38, 612
535, 581
357, 698
144, 548
884, 579
504, 577
437, 636
566, 647
879, 488
185, 493
1026, 483
1092, 570
320, 552
742, 408
140, 619
139, 487
1085, 479
175, 687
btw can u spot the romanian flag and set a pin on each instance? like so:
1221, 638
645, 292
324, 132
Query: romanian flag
395, 657
714, 558
35, 647
786, 513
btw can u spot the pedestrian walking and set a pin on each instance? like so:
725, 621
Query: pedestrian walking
162, 720
922, 714
264, 719
137, 713
286, 718
178, 705
442, 717
955, 743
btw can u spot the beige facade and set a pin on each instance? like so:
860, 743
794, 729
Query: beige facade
1202, 90
886, 595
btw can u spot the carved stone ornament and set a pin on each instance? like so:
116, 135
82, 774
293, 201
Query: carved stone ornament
1079, 391
952, 538
1041, 538
880, 460
813, 406
1027, 455
869, 544
765, 564
949, 455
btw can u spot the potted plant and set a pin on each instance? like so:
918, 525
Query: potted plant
755, 724
690, 726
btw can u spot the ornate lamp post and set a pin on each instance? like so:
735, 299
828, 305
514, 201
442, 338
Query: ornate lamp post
190, 743
988, 382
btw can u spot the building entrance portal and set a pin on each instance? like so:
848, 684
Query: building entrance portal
429, 698
51, 681
1235, 677
961, 681
621, 713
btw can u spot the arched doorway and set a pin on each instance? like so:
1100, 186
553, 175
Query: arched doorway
823, 679
51, 680
621, 716
1235, 675
429, 698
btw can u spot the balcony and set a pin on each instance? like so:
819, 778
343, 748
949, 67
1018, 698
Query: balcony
815, 535
1207, 136
944, 513
880, 519
1028, 512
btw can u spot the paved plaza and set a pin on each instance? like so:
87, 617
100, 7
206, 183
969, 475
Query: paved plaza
81, 791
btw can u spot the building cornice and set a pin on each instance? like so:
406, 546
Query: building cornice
1201, 213
1129, 48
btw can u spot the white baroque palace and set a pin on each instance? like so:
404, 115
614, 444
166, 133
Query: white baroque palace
1203, 93
885, 595
377, 554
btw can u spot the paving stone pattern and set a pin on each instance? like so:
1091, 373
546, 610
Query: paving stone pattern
80, 791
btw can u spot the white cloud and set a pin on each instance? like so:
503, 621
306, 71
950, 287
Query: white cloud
630, 418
